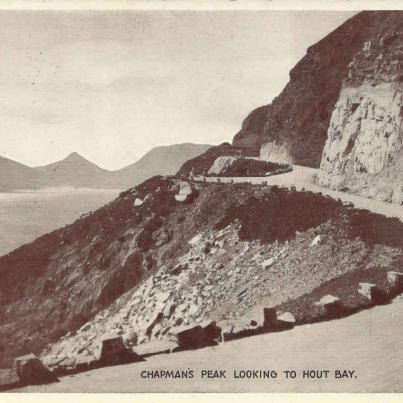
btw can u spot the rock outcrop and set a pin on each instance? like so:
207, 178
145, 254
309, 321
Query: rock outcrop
221, 164
115, 352
31, 371
185, 192
201, 164
364, 149
293, 128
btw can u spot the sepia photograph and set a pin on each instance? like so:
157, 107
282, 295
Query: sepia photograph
201, 200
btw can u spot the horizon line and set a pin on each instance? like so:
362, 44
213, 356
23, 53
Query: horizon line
99, 166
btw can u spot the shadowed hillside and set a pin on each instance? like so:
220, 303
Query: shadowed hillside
59, 282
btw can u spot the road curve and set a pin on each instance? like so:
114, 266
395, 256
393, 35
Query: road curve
303, 177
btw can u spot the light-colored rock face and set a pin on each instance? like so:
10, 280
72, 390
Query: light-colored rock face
138, 202
185, 191
363, 151
221, 164
275, 153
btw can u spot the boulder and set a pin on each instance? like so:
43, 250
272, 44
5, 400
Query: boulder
268, 263
131, 338
222, 164
328, 299
138, 202
316, 240
270, 318
372, 292
275, 322
286, 318
331, 306
185, 192
395, 279
31, 371
115, 352
198, 336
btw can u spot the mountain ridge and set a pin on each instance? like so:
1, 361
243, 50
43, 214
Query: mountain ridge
77, 171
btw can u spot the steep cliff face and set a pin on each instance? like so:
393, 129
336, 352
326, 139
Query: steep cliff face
293, 128
364, 152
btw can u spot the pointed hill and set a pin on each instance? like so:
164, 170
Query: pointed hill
76, 171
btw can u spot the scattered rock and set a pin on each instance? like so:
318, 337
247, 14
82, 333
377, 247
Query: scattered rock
195, 240
185, 192
138, 202
221, 164
395, 278
31, 371
268, 262
372, 292
114, 352
198, 336
328, 299
331, 305
131, 339
286, 317
316, 240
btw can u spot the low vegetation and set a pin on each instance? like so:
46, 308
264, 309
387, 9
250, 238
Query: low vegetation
256, 248
245, 167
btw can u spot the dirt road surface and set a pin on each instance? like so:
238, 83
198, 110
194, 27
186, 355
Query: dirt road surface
303, 177
369, 343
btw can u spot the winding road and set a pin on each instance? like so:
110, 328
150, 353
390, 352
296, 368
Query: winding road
303, 177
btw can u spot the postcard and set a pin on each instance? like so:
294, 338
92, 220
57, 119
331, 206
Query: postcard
201, 198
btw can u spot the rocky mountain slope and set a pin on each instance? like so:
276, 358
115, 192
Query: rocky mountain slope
293, 128
76, 171
171, 253
148, 263
341, 110
364, 152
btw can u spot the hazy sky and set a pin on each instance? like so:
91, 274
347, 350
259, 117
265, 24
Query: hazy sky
112, 85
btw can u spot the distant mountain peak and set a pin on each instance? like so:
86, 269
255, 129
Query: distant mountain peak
75, 170
74, 156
